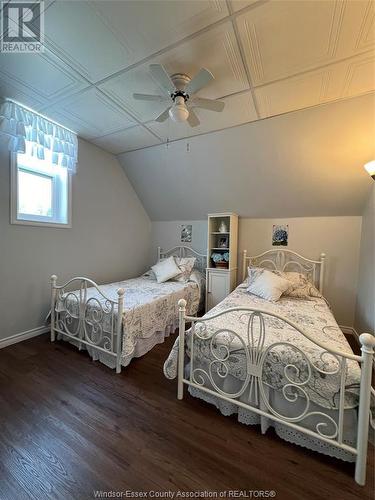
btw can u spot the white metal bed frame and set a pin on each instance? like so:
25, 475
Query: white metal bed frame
286, 260
97, 325
255, 354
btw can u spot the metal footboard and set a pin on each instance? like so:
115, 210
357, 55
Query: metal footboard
91, 321
295, 381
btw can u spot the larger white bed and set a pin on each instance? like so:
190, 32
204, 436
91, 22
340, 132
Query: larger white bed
119, 321
283, 364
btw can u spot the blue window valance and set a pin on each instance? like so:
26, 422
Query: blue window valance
35, 134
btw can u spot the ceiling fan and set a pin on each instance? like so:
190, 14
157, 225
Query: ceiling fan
180, 88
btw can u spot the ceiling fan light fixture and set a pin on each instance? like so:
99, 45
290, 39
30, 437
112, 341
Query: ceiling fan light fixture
179, 111
177, 89
370, 168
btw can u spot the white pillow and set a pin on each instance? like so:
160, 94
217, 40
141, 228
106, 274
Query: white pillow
166, 269
268, 285
186, 265
253, 272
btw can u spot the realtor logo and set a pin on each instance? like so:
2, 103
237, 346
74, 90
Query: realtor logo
22, 27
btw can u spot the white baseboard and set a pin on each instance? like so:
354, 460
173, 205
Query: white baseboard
19, 337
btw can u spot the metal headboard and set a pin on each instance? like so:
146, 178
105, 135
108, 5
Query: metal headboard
287, 260
184, 251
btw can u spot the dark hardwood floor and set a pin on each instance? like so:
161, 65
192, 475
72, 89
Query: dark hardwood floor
69, 426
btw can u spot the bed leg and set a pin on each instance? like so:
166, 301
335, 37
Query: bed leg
181, 348
120, 293
368, 345
53, 301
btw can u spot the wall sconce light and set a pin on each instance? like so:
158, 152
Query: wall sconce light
370, 168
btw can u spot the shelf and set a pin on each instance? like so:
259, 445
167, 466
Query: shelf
220, 269
220, 232
221, 248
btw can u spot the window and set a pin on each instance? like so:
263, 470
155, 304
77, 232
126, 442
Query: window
40, 192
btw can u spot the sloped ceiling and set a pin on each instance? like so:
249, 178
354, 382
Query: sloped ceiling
268, 57
306, 163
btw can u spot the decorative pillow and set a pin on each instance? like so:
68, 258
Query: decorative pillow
166, 270
253, 273
186, 265
301, 287
268, 285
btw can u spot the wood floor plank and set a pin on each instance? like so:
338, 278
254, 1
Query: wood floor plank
70, 426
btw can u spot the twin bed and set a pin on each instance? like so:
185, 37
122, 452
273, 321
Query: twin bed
123, 320
283, 364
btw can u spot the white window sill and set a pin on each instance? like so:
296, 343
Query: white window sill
22, 222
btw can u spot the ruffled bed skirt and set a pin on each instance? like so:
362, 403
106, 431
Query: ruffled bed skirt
285, 432
142, 347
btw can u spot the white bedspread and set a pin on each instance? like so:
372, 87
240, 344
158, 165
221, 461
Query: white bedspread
313, 316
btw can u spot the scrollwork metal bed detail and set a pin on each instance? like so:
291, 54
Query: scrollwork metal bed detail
86, 320
97, 322
252, 389
287, 260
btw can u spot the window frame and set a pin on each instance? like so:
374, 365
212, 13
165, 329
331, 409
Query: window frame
41, 221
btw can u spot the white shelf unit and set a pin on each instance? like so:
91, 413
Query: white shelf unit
221, 280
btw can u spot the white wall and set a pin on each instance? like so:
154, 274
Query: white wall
338, 237
167, 234
365, 309
109, 240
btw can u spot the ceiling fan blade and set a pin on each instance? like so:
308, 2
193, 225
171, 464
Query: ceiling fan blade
201, 79
210, 104
192, 119
149, 97
163, 116
162, 77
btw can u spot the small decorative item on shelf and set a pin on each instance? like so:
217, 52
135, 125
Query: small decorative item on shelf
220, 259
223, 242
223, 227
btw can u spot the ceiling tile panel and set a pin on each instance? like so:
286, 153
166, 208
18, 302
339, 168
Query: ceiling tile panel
241, 4
11, 89
66, 120
126, 140
352, 77
238, 109
292, 94
121, 89
147, 27
101, 38
282, 39
357, 32
94, 114
41, 76
215, 49
359, 77
348, 78
75, 32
